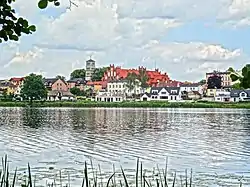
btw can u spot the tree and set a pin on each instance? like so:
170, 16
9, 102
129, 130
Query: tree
12, 27
237, 86
131, 81
203, 81
61, 77
99, 73
76, 91
78, 73
33, 88
143, 78
244, 79
214, 82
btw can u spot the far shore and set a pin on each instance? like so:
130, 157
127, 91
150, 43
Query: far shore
127, 104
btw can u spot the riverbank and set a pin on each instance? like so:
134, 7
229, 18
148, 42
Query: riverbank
132, 104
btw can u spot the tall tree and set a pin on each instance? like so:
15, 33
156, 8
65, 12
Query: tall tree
214, 82
61, 77
33, 88
143, 78
131, 81
99, 73
244, 78
78, 73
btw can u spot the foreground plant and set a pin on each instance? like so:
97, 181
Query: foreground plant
160, 179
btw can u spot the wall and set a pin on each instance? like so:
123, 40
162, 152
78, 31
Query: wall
59, 85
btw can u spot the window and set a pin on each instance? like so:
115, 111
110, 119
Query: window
163, 93
120, 86
164, 97
243, 94
173, 91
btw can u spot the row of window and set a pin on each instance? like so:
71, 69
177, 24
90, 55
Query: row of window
109, 99
116, 86
165, 97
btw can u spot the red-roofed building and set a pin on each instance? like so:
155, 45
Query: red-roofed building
17, 81
117, 73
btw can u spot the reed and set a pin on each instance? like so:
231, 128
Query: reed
140, 178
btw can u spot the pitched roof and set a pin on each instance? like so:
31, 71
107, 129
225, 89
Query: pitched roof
17, 79
169, 89
236, 93
76, 80
47, 81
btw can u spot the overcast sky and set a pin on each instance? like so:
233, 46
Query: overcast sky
184, 38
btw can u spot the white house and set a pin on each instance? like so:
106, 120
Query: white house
240, 95
60, 95
197, 87
110, 97
162, 94
120, 86
222, 96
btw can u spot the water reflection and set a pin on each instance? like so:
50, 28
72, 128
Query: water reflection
207, 140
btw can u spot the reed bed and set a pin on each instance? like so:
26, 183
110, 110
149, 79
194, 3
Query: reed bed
93, 178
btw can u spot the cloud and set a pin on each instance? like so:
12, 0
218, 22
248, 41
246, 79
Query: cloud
128, 33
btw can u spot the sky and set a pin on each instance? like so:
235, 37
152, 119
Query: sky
185, 38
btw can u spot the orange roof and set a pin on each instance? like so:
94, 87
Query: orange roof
92, 83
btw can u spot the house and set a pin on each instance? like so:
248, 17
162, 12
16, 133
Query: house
56, 95
117, 73
76, 82
198, 87
194, 95
55, 84
7, 87
162, 94
121, 86
110, 97
240, 95
222, 96
17, 81
96, 85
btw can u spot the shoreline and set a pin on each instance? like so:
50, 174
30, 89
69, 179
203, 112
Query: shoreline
127, 104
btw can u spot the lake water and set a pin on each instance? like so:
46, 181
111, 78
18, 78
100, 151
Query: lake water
215, 143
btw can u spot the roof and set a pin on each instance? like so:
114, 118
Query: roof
76, 80
47, 81
191, 85
92, 83
17, 79
147, 94
90, 60
169, 89
236, 93
118, 81
194, 92
154, 77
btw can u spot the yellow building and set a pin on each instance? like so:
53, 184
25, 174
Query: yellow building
8, 87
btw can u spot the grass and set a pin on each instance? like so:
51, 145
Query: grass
140, 179
127, 104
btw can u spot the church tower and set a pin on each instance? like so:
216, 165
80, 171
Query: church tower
90, 68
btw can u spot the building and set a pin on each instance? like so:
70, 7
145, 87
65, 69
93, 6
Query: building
55, 84
162, 94
194, 95
240, 95
110, 97
90, 68
60, 96
117, 73
225, 77
76, 82
7, 88
222, 96
96, 86
17, 81
120, 86
198, 87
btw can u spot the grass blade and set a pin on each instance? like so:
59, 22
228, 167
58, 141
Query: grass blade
29, 173
137, 171
174, 179
166, 173
125, 178
14, 178
186, 178
191, 178
110, 179
86, 174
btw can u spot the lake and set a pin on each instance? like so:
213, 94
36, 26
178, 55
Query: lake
215, 143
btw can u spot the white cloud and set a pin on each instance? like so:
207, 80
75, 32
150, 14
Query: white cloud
128, 33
